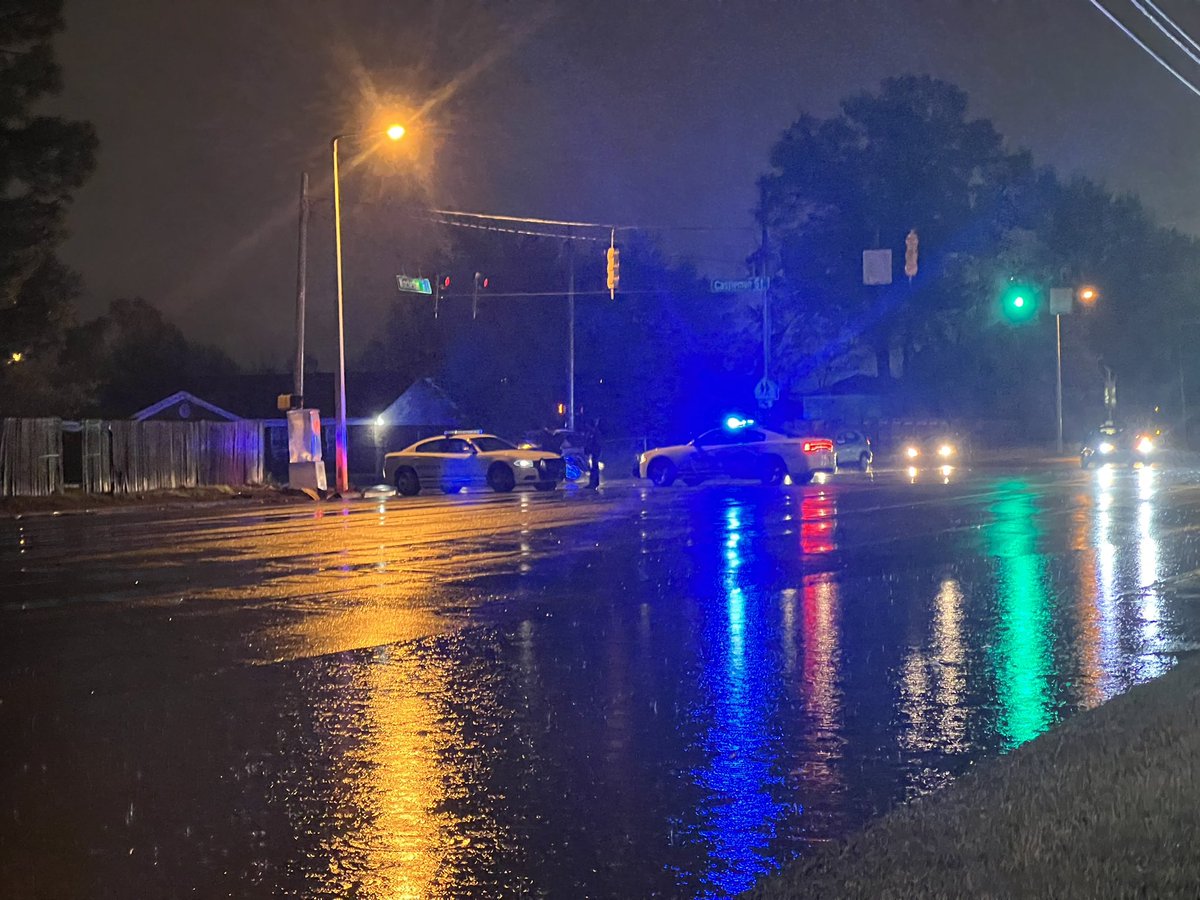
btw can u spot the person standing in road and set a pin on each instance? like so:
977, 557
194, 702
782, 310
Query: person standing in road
591, 446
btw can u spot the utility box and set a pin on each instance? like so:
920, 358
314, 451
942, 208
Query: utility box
306, 467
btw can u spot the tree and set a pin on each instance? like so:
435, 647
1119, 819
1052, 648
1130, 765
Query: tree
43, 160
135, 357
905, 157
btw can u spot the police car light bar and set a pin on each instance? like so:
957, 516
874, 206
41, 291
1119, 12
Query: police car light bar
733, 423
462, 431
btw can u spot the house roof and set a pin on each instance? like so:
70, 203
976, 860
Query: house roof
368, 395
183, 397
423, 403
859, 384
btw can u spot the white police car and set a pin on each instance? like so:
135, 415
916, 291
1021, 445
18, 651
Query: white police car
460, 459
739, 450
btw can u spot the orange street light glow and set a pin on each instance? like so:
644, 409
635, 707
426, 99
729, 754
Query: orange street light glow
395, 132
1088, 294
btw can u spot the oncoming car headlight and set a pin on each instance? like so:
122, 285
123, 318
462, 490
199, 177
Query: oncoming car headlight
1145, 445
523, 463
911, 452
945, 451
1105, 447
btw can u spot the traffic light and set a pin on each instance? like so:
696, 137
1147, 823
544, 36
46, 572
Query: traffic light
440, 285
613, 256
1018, 303
481, 282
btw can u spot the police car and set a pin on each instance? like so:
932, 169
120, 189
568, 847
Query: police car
460, 459
739, 450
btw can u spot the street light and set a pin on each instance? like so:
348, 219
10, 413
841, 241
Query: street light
340, 450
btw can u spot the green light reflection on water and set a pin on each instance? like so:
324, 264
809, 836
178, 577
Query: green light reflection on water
1022, 652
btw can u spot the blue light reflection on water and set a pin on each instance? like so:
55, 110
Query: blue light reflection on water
740, 672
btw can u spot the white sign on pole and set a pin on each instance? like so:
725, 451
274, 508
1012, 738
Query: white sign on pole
766, 392
877, 267
1062, 301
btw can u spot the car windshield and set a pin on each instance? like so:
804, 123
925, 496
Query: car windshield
491, 444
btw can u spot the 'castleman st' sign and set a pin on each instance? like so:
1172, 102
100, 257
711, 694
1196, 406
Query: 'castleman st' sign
738, 285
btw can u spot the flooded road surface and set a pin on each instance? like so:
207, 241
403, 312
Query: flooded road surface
647, 692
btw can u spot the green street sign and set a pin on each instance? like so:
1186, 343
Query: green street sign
414, 285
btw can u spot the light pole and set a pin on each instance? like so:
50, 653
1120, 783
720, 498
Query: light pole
341, 449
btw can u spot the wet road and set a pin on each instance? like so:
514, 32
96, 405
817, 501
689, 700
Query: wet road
638, 693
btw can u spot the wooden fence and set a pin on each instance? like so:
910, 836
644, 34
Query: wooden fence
31, 462
121, 457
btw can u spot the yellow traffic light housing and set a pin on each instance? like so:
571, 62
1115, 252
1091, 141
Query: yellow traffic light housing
614, 271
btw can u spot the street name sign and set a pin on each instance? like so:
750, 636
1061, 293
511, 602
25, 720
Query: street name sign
737, 285
414, 285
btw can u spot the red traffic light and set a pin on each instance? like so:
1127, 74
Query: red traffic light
485, 281
446, 282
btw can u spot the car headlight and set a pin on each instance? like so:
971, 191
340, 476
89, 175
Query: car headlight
912, 452
945, 451
641, 459
1105, 447
523, 463
1145, 445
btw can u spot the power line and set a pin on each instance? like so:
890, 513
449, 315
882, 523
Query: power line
1137, 40
523, 220
496, 295
499, 229
1167, 31
607, 227
1187, 37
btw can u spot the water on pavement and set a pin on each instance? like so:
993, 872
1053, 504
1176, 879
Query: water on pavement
632, 694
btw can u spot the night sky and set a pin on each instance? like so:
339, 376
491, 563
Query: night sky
653, 112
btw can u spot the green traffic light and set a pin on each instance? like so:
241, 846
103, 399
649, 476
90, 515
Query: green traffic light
1019, 303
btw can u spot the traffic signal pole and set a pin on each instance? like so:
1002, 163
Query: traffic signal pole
1058, 381
570, 335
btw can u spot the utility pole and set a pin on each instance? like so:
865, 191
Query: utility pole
766, 302
1183, 430
301, 288
570, 332
1058, 380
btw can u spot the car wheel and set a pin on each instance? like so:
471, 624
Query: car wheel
545, 485
500, 478
451, 488
804, 477
774, 471
692, 481
864, 460
1084, 461
407, 482
662, 472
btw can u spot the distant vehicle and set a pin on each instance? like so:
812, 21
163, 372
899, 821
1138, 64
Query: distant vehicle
461, 459
566, 443
938, 450
1119, 446
852, 448
739, 450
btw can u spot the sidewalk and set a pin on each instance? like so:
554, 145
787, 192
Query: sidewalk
77, 502
1105, 805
